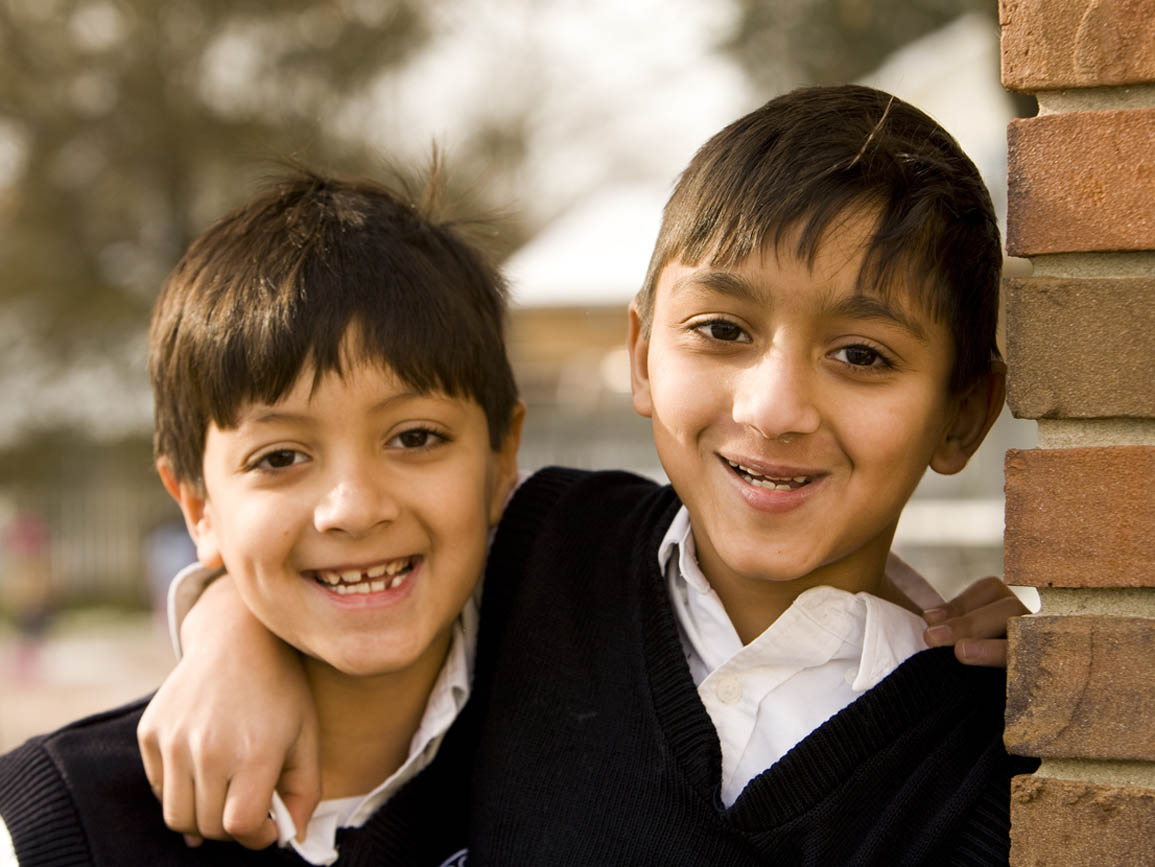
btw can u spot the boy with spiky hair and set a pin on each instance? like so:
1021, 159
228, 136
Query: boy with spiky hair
730, 669
344, 462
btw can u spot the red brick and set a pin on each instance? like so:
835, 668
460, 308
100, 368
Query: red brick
1081, 687
1083, 181
1080, 517
1056, 44
1077, 824
1081, 348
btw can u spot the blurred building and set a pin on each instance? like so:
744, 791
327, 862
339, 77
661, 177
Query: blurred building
572, 282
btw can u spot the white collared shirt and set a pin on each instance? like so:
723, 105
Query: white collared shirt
825, 650
447, 698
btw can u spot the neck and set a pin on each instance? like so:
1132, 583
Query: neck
753, 605
367, 722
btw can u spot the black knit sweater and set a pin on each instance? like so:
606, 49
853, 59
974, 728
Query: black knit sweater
79, 796
596, 750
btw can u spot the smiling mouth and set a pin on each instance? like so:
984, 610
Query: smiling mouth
769, 483
384, 576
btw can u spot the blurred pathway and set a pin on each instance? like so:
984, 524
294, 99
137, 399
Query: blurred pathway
88, 662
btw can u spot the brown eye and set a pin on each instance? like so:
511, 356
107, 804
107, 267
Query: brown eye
723, 330
861, 356
418, 438
414, 439
279, 459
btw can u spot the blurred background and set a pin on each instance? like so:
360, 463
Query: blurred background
126, 126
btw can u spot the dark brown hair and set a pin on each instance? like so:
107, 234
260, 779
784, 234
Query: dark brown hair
275, 286
804, 159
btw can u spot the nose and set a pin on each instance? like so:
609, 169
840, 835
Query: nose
357, 498
775, 397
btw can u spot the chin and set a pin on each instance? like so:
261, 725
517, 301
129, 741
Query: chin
369, 662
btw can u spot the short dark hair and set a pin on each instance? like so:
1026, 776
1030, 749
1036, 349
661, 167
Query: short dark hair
805, 158
277, 283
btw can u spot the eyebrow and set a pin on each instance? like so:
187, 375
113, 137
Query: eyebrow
872, 307
722, 282
859, 306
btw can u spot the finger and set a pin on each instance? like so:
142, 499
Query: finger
150, 756
209, 792
300, 782
977, 594
178, 800
988, 622
989, 652
246, 808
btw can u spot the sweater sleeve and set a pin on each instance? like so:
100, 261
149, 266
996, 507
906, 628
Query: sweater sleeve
40, 819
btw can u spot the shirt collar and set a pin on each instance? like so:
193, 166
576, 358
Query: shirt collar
448, 696
884, 634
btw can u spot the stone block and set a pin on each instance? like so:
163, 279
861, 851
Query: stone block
1081, 687
1080, 182
1056, 44
1081, 348
1080, 517
1077, 824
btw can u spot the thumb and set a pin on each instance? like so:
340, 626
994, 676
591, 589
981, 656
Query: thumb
300, 782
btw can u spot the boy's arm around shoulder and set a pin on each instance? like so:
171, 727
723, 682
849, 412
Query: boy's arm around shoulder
975, 622
233, 721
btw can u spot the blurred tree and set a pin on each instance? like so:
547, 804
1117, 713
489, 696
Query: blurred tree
832, 41
126, 125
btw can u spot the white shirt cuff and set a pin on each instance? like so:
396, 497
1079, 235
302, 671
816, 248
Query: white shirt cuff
183, 592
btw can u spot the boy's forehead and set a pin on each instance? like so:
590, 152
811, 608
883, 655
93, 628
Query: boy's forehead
363, 375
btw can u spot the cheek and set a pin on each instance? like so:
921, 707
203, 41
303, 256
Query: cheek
896, 437
685, 396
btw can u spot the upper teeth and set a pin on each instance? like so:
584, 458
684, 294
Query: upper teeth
761, 481
371, 580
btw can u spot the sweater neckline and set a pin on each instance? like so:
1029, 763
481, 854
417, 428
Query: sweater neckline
930, 682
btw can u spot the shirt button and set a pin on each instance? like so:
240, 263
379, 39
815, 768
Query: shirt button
728, 689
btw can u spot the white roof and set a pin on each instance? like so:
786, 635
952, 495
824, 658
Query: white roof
594, 254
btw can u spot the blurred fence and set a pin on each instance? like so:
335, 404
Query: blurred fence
98, 539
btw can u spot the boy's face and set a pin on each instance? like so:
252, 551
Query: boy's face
793, 416
354, 518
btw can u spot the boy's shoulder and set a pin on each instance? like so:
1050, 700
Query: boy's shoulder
560, 514
51, 784
558, 488
98, 734
79, 796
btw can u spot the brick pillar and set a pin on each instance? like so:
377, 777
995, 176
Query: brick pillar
1080, 520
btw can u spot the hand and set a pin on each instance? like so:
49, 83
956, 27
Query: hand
233, 721
975, 622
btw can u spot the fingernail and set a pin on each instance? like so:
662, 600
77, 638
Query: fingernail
934, 615
938, 635
965, 650
192, 840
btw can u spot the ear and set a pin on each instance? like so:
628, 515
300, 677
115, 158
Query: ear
193, 504
975, 411
506, 469
638, 344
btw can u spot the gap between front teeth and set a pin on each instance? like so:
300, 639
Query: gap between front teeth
369, 586
383, 576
